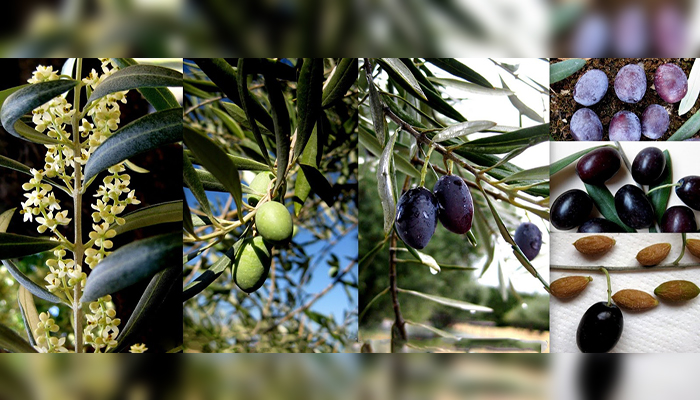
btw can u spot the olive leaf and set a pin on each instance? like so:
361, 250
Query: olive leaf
19, 167
13, 342
229, 123
135, 77
693, 89
247, 104
372, 145
280, 119
524, 109
339, 83
605, 203
155, 214
507, 142
209, 276
308, 157
5, 219
36, 290
161, 98
462, 305
460, 70
471, 88
27, 309
385, 184
564, 69
309, 92
462, 129
398, 66
376, 108
15, 246
659, 198
688, 129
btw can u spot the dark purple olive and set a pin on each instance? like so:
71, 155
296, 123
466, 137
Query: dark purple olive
416, 217
630, 83
624, 126
600, 328
678, 219
599, 225
689, 191
591, 87
585, 125
529, 239
571, 209
670, 82
455, 205
598, 166
633, 207
648, 166
655, 121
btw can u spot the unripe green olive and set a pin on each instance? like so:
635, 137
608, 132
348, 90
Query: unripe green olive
274, 222
252, 265
333, 272
259, 185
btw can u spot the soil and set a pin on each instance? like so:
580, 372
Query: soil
563, 106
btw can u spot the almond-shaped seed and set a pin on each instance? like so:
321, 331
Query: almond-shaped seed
654, 254
677, 290
596, 244
693, 246
635, 300
569, 286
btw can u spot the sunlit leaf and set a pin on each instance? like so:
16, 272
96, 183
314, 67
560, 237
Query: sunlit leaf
693, 89
160, 98
564, 69
280, 119
30, 315
463, 129
462, 305
385, 185
507, 142
536, 174
471, 88
207, 277
248, 105
5, 219
340, 82
136, 77
309, 91
398, 66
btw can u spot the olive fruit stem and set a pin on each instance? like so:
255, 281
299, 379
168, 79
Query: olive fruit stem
607, 277
663, 187
678, 260
79, 249
424, 170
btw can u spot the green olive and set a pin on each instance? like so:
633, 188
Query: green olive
252, 265
274, 222
333, 272
259, 185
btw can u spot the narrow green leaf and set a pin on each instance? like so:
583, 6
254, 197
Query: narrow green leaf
136, 77
339, 83
319, 184
462, 305
564, 69
460, 70
463, 129
435, 330
398, 66
131, 264
564, 162
15, 246
659, 198
507, 142
693, 89
187, 223
370, 254
471, 88
385, 185
688, 129
239, 116
25, 100
5, 93
247, 104
155, 214
396, 109
5, 219
160, 98
309, 92
308, 157
245, 164
280, 119
11, 341
534, 174
17, 166
377, 110
193, 182
146, 133
424, 259
208, 277
372, 145
224, 76
216, 161
605, 203
229, 123
524, 109
152, 298
30, 315
36, 290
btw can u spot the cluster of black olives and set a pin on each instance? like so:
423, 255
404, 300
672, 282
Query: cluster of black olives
630, 85
572, 208
419, 209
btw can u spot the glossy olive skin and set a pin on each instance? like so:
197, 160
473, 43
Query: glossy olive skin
416, 217
600, 328
529, 238
648, 166
599, 225
689, 191
571, 209
598, 166
455, 204
633, 207
678, 219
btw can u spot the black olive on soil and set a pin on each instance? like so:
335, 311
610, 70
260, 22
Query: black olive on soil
571, 209
416, 217
529, 238
600, 328
633, 207
455, 205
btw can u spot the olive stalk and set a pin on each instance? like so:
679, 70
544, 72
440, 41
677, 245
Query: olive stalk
622, 268
78, 249
678, 260
607, 277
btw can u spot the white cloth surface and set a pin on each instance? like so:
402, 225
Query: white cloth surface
668, 328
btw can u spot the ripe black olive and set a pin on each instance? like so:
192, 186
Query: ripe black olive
455, 205
597, 376
689, 191
529, 239
598, 166
599, 225
571, 209
416, 217
633, 207
648, 166
678, 219
600, 328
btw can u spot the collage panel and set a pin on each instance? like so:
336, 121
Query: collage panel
270, 176
454, 184
624, 247
90, 205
